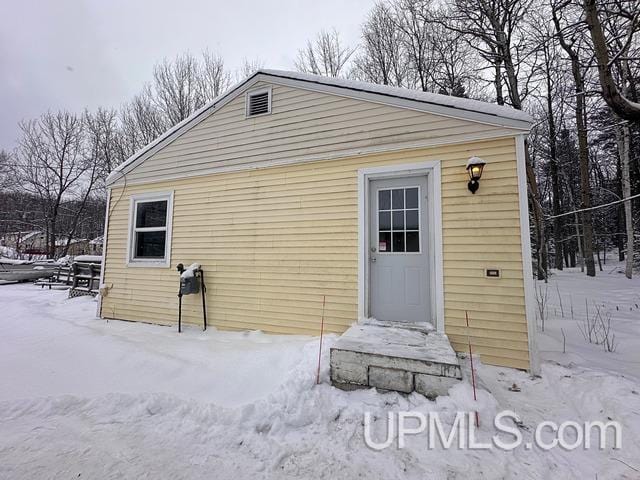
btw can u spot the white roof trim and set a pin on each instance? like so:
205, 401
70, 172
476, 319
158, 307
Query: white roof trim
461, 108
397, 94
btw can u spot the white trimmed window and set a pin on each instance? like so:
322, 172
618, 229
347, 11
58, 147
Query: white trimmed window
258, 102
150, 229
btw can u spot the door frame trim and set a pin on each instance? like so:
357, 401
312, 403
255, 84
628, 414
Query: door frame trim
434, 205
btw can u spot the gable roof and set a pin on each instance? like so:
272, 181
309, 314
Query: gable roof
445, 105
434, 99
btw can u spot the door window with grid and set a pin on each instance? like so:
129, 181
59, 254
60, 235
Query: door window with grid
399, 220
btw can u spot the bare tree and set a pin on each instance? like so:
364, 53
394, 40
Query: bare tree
179, 88
141, 122
456, 64
176, 88
570, 36
496, 29
406, 43
551, 74
248, 68
50, 165
627, 18
414, 19
326, 55
104, 139
381, 58
93, 163
623, 137
5, 178
212, 79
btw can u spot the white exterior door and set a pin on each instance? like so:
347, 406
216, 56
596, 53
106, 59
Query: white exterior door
398, 250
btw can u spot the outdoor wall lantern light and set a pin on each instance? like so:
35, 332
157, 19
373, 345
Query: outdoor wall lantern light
475, 165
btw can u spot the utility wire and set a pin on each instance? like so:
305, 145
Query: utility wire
594, 208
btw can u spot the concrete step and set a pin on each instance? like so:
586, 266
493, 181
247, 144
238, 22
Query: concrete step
392, 357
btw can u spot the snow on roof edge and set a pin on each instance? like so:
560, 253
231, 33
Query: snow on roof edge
459, 103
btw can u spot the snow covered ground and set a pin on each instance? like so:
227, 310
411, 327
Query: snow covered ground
573, 297
85, 398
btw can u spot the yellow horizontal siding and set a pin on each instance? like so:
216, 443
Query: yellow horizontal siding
273, 241
303, 123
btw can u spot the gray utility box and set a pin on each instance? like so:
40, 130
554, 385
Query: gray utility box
189, 285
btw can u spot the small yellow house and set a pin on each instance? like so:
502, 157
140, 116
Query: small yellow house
293, 187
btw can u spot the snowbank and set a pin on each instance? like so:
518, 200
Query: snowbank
11, 261
88, 258
118, 399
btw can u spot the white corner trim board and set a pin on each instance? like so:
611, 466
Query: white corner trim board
433, 172
527, 268
104, 252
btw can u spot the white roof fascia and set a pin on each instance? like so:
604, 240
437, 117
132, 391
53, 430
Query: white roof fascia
445, 105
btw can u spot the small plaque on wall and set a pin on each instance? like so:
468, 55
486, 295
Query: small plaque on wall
493, 272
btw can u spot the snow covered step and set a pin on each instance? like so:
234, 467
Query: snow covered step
394, 358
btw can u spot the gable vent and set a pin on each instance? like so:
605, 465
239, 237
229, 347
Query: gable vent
258, 103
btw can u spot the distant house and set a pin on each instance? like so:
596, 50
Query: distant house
291, 187
33, 242
95, 245
77, 246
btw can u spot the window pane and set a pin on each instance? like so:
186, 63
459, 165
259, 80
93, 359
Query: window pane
384, 242
398, 220
413, 241
150, 244
398, 198
384, 221
398, 241
384, 199
151, 214
412, 219
412, 198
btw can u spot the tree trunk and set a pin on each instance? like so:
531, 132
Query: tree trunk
621, 105
555, 183
52, 240
572, 258
585, 188
623, 137
498, 83
538, 216
504, 55
580, 244
619, 241
576, 221
583, 148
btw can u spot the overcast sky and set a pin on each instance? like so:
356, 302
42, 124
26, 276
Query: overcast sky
71, 54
